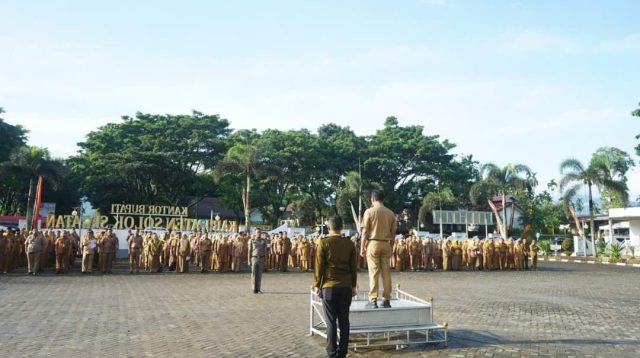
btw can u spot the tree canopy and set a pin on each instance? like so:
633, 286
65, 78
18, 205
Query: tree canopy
150, 158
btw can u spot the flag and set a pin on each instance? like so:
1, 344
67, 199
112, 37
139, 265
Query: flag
36, 208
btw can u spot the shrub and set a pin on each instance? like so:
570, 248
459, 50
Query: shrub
567, 246
615, 250
544, 246
601, 246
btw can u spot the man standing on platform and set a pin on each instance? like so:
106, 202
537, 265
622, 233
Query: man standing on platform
378, 236
336, 277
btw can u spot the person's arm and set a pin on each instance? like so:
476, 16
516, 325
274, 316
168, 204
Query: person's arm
366, 232
394, 228
319, 273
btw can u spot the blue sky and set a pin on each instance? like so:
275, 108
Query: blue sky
530, 82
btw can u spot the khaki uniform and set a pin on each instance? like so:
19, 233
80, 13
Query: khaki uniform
400, 254
519, 256
183, 251
533, 252
205, 246
488, 250
155, 251
135, 252
379, 224
414, 252
33, 248
108, 246
237, 252
88, 250
446, 255
62, 252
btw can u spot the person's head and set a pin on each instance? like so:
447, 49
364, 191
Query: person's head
377, 195
335, 224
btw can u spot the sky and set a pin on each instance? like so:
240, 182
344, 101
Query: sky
531, 82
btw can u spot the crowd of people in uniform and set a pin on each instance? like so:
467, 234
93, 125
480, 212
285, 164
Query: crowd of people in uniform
449, 254
223, 252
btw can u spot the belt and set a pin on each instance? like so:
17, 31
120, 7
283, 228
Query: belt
258, 256
379, 240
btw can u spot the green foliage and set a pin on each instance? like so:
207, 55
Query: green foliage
567, 246
544, 246
496, 181
435, 200
618, 163
599, 173
149, 158
19, 175
544, 214
601, 246
614, 251
13, 137
406, 162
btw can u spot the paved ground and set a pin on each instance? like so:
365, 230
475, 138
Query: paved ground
562, 310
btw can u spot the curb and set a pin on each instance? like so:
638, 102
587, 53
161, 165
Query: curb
591, 262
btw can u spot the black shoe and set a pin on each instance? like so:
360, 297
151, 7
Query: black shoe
386, 304
255, 291
372, 304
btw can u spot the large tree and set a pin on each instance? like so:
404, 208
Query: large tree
440, 198
405, 161
24, 166
496, 181
154, 159
575, 176
617, 163
243, 161
13, 137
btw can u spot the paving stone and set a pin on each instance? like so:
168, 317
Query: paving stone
562, 310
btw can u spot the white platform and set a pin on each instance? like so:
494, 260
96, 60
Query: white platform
408, 321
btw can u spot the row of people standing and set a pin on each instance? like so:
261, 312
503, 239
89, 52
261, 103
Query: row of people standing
38, 250
413, 253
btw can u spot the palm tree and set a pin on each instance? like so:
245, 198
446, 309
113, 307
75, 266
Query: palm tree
575, 176
496, 181
435, 199
243, 158
354, 187
31, 163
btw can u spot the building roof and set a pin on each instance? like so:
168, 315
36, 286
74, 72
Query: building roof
204, 207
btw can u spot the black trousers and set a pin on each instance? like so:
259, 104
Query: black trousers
336, 302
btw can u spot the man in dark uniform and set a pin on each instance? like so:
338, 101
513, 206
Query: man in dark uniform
336, 277
257, 251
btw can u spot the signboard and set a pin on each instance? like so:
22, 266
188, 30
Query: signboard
47, 209
142, 217
462, 217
